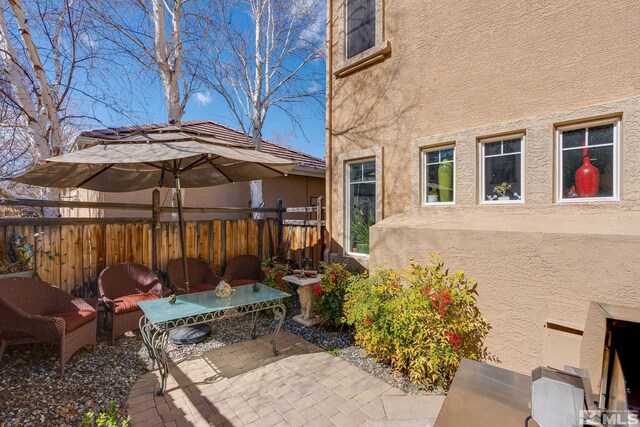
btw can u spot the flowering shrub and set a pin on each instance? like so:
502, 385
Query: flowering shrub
329, 294
273, 273
422, 322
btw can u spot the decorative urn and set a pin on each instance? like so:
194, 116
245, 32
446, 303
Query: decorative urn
587, 177
224, 290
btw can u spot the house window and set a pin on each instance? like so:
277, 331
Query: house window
501, 170
361, 210
588, 164
361, 26
438, 175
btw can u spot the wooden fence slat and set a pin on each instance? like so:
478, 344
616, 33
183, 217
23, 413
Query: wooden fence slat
204, 239
84, 249
216, 225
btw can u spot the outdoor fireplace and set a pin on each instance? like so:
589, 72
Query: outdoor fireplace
609, 353
603, 391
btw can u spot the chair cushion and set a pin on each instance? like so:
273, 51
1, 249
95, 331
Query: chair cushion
74, 319
201, 287
129, 303
240, 282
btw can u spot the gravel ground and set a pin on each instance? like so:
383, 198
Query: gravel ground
31, 393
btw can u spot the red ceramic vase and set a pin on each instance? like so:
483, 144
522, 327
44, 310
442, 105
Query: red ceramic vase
587, 179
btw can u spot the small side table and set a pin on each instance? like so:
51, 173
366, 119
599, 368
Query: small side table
305, 293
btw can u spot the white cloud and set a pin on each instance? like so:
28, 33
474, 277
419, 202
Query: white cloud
203, 98
87, 40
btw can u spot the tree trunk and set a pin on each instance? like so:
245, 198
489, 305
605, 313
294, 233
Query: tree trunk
169, 64
35, 114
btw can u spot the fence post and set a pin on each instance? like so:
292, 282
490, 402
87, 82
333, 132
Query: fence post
155, 226
320, 233
280, 227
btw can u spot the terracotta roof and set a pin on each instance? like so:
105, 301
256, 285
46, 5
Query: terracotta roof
218, 131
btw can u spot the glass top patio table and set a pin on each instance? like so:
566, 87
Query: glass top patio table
159, 310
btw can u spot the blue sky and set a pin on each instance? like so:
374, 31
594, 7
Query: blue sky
205, 105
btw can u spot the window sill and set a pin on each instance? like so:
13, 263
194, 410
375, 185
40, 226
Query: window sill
371, 56
438, 204
355, 255
588, 200
497, 202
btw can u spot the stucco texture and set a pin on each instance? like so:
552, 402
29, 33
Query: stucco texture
462, 71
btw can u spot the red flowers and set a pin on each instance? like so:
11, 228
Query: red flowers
317, 289
454, 339
440, 300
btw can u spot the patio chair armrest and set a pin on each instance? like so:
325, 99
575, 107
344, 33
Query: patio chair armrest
157, 288
15, 319
82, 303
108, 303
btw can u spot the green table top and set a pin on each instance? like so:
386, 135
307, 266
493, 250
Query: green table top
159, 310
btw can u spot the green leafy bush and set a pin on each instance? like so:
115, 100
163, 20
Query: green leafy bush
108, 419
329, 294
422, 322
273, 273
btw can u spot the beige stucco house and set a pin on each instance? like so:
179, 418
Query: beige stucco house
467, 128
301, 187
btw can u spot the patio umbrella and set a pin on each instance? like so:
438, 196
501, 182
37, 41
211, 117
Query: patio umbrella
166, 157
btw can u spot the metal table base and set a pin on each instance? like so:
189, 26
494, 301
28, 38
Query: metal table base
155, 336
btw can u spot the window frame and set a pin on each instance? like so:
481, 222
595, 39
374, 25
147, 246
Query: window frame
347, 204
346, 31
380, 51
423, 173
481, 168
585, 124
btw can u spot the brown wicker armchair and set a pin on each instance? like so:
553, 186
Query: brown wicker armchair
243, 270
122, 287
201, 278
32, 311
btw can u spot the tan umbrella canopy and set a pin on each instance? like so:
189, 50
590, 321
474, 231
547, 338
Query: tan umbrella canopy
155, 160
165, 157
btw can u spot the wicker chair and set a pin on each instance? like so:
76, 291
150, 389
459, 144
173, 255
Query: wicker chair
32, 311
122, 287
243, 270
201, 278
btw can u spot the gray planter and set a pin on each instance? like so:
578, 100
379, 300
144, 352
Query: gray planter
27, 274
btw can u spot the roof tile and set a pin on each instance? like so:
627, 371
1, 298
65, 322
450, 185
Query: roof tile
217, 131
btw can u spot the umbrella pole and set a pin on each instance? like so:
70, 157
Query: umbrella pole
183, 245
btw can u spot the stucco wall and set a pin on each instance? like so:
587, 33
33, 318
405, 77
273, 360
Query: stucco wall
472, 64
461, 71
530, 269
294, 190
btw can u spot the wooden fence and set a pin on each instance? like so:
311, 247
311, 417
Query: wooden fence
71, 252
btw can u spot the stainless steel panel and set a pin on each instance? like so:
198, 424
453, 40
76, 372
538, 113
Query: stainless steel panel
485, 395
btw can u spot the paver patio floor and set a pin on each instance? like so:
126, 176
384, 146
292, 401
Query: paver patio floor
244, 384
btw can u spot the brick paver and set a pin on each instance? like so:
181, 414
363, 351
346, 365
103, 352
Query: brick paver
244, 384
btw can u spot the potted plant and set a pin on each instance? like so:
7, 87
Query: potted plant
501, 191
432, 197
360, 231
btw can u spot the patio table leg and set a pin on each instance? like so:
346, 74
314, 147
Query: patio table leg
145, 327
158, 344
279, 312
155, 340
254, 318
